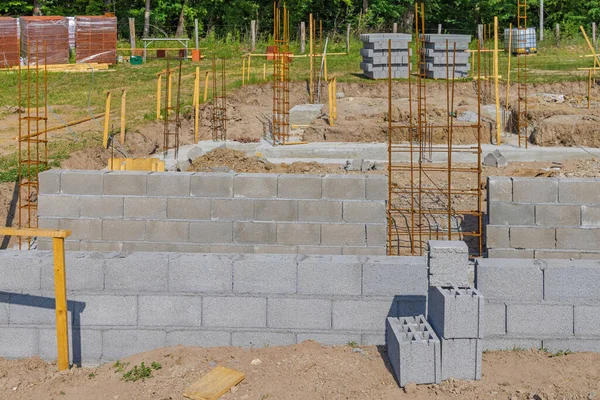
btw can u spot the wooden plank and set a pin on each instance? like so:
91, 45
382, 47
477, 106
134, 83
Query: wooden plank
31, 232
60, 291
214, 384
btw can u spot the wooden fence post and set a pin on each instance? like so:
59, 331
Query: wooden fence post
395, 28
132, 34
557, 35
253, 33
302, 37
348, 39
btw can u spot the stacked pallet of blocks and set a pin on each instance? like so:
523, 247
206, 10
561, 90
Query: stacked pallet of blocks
444, 60
9, 42
375, 54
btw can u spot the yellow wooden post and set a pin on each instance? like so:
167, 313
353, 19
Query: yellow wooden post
158, 90
196, 104
249, 58
106, 120
60, 292
243, 70
264, 71
206, 87
325, 66
334, 98
169, 74
196, 80
330, 102
508, 69
496, 74
123, 114
589, 96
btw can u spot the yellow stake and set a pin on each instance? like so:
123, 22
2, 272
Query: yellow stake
60, 293
249, 58
169, 90
325, 66
106, 121
206, 87
196, 103
496, 73
123, 115
158, 85
264, 71
244, 70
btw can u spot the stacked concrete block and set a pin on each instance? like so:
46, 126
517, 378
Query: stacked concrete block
414, 350
448, 263
441, 59
375, 54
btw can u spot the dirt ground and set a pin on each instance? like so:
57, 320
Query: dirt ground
305, 371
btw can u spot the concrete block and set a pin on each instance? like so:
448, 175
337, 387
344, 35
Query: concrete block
456, 312
255, 232
87, 345
373, 339
330, 339
414, 350
343, 234
364, 211
344, 187
151, 247
299, 186
49, 181
87, 229
20, 271
262, 339
211, 232
299, 234
101, 207
390, 276
255, 185
125, 183
495, 279
329, 275
167, 231
81, 182
497, 236
510, 343
364, 251
494, 319
83, 273
232, 209
527, 237
448, 262
510, 253
47, 223
188, 208
577, 238
170, 311
305, 114
409, 306
590, 216
323, 250
169, 184
495, 158
101, 309
362, 315
200, 273
4, 306
235, 312
320, 211
120, 343
573, 344
377, 187
198, 338
579, 190
286, 313
137, 273
274, 249
461, 358
275, 210
377, 235
587, 320
58, 206
590, 255
535, 190
265, 274
212, 184
572, 281
556, 254
557, 215
539, 320
19, 342
85, 245
499, 189
115, 229
145, 207
232, 248
32, 309
511, 214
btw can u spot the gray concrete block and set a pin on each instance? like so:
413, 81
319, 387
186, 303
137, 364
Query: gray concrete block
137, 273
461, 358
573, 344
170, 311
362, 315
557, 215
121, 343
58, 206
344, 187
81, 182
286, 313
19, 342
497, 236
115, 229
363, 251
373, 339
20, 271
343, 234
275, 210
169, 184
390, 276
587, 320
200, 273
101, 207
456, 313
167, 231
577, 238
539, 320
494, 319
265, 274
153, 247
511, 253
84, 273
510, 343
329, 275
413, 350
275, 249
556, 254
49, 181
28, 309
232, 209
590, 216
377, 235
104, 309
320, 211
145, 207
330, 339
188, 208
255, 232
125, 183
47, 223
535, 190
4, 306
511, 214
211, 232
198, 338
527, 237
298, 234
323, 250
212, 184
495, 279
579, 190
235, 312
90, 342
255, 185
448, 262
590, 255
299, 186
262, 339
87, 229
570, 281
377, 187
232, 248
364, 211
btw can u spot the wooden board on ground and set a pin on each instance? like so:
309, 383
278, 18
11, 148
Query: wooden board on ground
214, 384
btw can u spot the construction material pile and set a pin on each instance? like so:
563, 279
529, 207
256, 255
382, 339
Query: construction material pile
96, 39
47, 35
446, 56
376, 52
9, 42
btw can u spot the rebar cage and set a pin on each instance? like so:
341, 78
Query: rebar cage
281, 76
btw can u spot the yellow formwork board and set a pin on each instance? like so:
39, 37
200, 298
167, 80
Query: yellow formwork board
214, 384
136, 164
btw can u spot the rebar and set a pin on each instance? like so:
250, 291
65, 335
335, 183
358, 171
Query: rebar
522, 124
219, 101
281, 76
171, 129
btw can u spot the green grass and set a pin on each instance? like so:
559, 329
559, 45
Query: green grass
140, 372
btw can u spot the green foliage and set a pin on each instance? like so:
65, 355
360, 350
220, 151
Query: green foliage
120, 366
140, 372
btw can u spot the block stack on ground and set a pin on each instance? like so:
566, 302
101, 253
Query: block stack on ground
441, 61
375, 54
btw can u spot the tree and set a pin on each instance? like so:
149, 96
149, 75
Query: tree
37, 7
181, 23
147, 20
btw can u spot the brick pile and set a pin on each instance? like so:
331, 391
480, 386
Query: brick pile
9, 42
47, 31
96, 39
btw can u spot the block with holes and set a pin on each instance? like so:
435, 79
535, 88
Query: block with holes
456, 312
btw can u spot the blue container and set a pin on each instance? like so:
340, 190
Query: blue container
523, 40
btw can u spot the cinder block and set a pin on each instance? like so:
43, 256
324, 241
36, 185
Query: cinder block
235, 312
587, 320
299, 186
167, 231
47, 223
84, 272
232, 248
170, 311
49, 181
115, 229
511, 214
260, 339
557, 215
448, 262
510, 343
151, 247
122, 343
497, 236
373, 339
255, 232
211, 232
265, 274
4, 306
299, 234
362, 315
232, 209
539, 320
590, 216
390, 276
137, 273
286, 313
461, 358
87, 229
591, 255
88, 246
198, 338
330, 339
275, 249
364, 211
572, 344
255, 185
329, 275
275, 210
188, 208
579, 190
320, 211
577, 238
568, 281
101, 207
58, 206
211, 184
495, 279
87, 345
556, 254
364, 251
414, 350
456, 312
343, 234
19, 342
101, 309
323, 250
499, 189
535, 190
409, 306
145, 207
200, 273
20, 271
125, 183
494, 319
377, 235
81, 182
377, 187
528, 237
32, 309
511, 253
169, 184
344, 187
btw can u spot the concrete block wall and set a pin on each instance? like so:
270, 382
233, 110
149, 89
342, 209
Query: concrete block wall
543, 218
445, 56
215, 212
376, 52
120, 304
